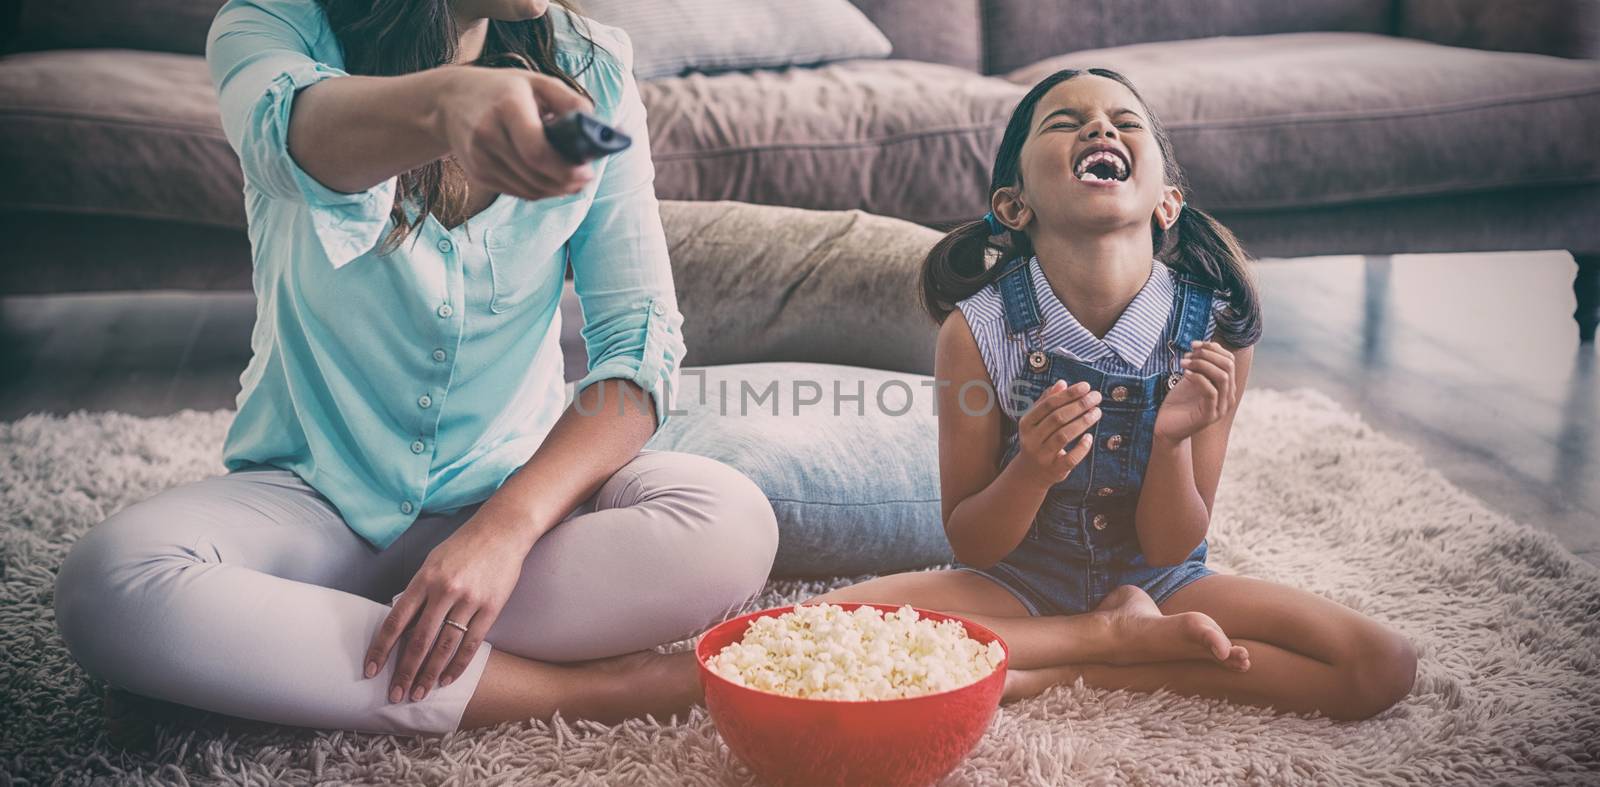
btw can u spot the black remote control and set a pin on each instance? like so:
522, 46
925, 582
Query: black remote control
579, 137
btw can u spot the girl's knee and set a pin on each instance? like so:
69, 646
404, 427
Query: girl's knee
1381, 673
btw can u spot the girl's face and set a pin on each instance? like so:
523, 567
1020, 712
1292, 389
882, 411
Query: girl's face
500, 10
1090, 161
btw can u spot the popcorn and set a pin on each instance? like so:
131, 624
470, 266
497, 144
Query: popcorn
823, 651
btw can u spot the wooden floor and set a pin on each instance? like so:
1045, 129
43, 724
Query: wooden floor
1471, 358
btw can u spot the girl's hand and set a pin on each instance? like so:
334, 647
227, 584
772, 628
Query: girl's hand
466, 578
1203, 397
492, 121
1054, 430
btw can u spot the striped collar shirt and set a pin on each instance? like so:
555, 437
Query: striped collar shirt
1133, 346
1135, 334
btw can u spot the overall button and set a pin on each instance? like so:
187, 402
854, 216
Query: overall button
406, 507
1099, 522
439, 355
446, 311
1113, 442
1037, 361
418, 447
1105, 491
1119, 393
445, 245
424, 401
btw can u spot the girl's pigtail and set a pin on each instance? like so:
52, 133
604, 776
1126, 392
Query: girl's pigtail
956, 268
1207, 251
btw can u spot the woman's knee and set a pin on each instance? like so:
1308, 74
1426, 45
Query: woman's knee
730, 515
708, 554
679, 542
95, 606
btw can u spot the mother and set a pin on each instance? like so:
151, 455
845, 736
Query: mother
402, 435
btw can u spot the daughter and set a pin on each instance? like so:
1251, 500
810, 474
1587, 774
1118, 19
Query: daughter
1116, 335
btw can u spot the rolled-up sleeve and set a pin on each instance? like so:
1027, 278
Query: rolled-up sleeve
260, 56
632, 327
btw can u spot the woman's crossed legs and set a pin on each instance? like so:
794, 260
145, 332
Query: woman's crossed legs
246, 594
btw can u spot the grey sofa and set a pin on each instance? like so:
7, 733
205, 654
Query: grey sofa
1313, 127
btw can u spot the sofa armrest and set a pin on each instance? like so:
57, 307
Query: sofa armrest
1564, 28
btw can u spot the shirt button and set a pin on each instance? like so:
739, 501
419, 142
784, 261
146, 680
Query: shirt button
658, 309
418, 447
406, 507
1113, 442
446, 311
424, 401
439, 355
1099, 521
445, 245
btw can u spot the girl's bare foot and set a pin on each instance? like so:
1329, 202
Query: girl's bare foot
649, 682
1144, 634
1022, 684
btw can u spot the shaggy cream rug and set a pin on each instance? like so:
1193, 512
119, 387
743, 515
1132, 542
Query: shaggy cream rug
1507, 623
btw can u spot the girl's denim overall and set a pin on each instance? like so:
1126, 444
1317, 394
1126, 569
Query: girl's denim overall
1082, 543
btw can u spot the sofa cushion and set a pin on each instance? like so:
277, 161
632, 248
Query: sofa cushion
136, 134
762, 283
899, 138
116, 132
934, 31
1312, 119
159, 25
1565, 28
1019, 32
854, 481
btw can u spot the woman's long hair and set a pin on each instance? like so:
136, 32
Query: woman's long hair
394, 37
1198, 245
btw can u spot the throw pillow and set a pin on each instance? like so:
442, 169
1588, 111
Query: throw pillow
675, 37
848, 456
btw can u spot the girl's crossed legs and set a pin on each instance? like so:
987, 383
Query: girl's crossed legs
1284, 648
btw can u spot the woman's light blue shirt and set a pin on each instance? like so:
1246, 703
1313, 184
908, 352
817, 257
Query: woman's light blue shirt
420, 379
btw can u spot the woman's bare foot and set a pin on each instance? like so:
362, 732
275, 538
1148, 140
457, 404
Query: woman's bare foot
1145, 635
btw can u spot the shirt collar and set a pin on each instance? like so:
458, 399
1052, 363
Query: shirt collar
1132, 338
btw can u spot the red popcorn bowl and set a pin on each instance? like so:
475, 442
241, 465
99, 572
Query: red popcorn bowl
797, 741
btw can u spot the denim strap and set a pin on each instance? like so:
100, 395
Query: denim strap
1016, 296
1191, 310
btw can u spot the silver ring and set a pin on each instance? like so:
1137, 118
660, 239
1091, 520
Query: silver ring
453, 624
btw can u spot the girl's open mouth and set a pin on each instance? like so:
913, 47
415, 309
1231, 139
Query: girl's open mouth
1102, 164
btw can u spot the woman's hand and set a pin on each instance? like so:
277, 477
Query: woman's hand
1060, 418
492, 121
467, 579
1207, 393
